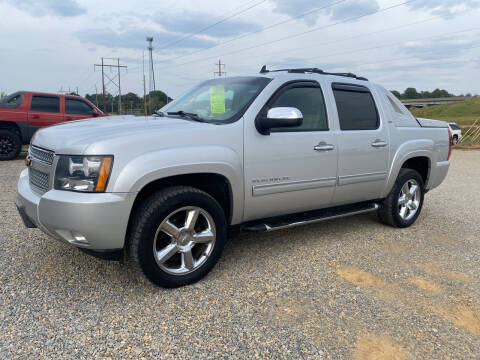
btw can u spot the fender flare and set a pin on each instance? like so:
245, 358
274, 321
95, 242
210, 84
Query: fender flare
408, 150
155, 165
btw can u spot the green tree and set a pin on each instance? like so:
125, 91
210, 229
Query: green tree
397, 94
411, 93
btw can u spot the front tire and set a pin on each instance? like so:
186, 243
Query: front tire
177, 236
455, 140
10, 145
404, 203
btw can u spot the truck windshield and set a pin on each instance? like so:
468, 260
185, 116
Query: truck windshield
219, 100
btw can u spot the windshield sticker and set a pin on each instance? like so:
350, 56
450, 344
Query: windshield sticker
217, 99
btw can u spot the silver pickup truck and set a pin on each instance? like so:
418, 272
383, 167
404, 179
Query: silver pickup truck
263, 152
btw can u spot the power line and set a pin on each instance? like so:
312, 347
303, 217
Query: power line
393, 44
212, 25
299, 34
257, 31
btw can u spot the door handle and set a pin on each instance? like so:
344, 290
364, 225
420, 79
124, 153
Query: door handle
379, 143
68, 118
35, 116
323, 146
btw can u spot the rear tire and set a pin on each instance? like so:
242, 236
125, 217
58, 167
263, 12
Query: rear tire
177, 236
404, 203
10, 145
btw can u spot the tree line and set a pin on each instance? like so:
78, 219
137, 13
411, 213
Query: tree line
412, 93
131, 102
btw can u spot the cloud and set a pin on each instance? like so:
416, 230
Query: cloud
60, 8
431, 50
445, 8
192, 22
341, 11
135, 39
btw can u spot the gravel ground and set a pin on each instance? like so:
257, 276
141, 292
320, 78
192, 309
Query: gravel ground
346, 288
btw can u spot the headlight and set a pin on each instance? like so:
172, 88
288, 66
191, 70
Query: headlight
83, 173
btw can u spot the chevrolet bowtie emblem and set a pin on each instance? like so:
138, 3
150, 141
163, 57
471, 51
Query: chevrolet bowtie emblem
28, 160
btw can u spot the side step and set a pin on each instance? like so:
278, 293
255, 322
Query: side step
310, 217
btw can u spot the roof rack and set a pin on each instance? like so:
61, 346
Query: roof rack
314, 71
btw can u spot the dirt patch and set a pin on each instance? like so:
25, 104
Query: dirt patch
427, 285
464, 316
442, 239
360, 277
431, 269
372, 347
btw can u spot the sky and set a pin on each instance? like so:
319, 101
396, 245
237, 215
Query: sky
51, 45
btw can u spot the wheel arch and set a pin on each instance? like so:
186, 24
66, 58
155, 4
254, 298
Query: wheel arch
15, 127
214, 184
414, 155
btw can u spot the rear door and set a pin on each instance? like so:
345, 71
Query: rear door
76, 109
44, 111
363, 142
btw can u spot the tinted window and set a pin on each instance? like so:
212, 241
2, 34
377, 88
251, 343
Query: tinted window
45, 103
75, 106
356, 107
455, 127
307, 99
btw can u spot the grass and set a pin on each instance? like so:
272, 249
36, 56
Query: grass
463, 113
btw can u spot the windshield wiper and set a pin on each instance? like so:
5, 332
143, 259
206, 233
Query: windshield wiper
158, 113
188, 115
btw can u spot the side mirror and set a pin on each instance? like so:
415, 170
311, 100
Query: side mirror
279, 117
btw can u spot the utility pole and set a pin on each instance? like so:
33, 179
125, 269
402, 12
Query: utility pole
220, 72
96, 95
115, 80
119, 89
151, 77
144, 88
103, 88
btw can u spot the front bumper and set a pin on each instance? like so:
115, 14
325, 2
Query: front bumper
92, 221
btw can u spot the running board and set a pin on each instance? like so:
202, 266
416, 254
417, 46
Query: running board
310, 217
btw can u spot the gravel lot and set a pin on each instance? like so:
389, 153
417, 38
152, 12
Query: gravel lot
346, 288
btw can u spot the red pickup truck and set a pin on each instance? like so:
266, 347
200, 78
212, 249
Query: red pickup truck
24, 112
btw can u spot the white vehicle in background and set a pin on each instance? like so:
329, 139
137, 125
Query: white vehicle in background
456, 132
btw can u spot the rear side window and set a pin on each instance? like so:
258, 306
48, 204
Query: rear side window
75, 106
308, 98
46, 103
356, 107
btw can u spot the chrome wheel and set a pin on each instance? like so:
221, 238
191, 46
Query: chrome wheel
409, 199
184, 240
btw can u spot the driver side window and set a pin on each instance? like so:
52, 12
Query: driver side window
308, 98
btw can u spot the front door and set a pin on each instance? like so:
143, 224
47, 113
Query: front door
77, 109
294, 169
363, 142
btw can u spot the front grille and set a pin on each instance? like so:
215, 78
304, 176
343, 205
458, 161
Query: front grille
39, 179
42, 155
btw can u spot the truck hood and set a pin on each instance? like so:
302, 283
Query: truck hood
76, 136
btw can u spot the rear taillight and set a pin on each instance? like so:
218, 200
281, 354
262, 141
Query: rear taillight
450, 143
